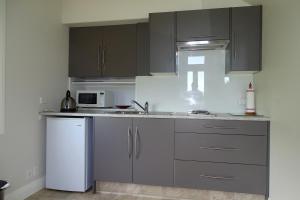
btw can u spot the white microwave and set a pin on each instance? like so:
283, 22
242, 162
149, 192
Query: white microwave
94, 99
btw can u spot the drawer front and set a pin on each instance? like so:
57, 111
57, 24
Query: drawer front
222, 126
221, 148
220, 176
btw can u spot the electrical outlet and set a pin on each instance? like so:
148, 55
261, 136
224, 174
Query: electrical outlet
29, 174
35, 171
41, 100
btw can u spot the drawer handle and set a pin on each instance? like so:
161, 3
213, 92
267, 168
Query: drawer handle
219, 127
217, 177
220, 148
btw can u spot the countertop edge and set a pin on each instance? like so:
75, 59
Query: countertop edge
224, 117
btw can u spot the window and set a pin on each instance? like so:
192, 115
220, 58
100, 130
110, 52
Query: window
2, 62
196, 60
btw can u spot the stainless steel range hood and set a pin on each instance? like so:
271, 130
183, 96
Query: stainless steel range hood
202, 45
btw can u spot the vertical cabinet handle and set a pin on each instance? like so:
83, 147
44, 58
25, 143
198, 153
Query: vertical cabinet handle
98, 66
136, 143
103, 59
129, 139
235, 45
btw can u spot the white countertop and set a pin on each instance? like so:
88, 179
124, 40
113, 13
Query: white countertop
171, 115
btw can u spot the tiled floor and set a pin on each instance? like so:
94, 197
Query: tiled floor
56, 195
121, 191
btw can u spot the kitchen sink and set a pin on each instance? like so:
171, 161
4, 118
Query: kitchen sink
128, 112
134, 112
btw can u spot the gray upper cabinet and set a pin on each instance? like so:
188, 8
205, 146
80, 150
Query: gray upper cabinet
153, 151
212, 24
84, 52
162, 42
112, 149
143, 49
107, 51
246, 33
119, 51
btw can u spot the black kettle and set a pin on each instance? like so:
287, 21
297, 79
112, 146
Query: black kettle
68, 104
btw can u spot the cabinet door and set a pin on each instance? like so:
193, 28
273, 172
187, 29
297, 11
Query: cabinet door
162, 42
143, 51
212, 24
84, 48
246, 39
112, 149
153, 151
119, 51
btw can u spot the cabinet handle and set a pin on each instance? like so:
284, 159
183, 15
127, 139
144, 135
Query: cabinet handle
136, 143
221, 148
218, 127
99, 49
129, 139
206, 36
234, 45
103, 59
217, 177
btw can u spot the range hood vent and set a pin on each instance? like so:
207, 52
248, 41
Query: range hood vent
202, 45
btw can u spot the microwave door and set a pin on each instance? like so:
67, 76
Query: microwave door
87, 99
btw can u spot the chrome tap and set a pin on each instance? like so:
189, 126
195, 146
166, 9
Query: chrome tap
145, 108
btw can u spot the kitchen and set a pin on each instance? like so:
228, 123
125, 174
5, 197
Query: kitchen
181, 81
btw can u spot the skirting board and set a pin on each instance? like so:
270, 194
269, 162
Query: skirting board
27, 190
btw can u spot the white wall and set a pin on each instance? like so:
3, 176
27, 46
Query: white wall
2, 64
108, 11
36, 66
279, 94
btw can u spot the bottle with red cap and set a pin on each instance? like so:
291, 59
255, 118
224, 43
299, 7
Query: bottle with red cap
250, 100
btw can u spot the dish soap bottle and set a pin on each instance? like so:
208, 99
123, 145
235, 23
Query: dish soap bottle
250, 100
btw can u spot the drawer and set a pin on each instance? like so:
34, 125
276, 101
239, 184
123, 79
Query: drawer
220, 176
221, 148
222, 126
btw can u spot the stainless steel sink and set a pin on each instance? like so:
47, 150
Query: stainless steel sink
134, 112
127, 112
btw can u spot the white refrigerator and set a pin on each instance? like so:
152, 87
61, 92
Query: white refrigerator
69, 154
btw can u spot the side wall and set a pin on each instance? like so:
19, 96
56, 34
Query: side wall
36, 66
2, 64
278, 94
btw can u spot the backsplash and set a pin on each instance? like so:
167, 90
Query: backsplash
201, 83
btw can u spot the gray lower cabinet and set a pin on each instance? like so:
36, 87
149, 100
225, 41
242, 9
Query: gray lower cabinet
230, 127
153, 151
112, 157
221, 176
209, 24
162, 42
221, 148
226, 155
134, 150
244, 53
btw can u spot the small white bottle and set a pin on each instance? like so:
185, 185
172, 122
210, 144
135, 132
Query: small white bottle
250, 100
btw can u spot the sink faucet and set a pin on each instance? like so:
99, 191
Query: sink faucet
145, 108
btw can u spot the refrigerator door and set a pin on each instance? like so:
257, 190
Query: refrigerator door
65, 154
